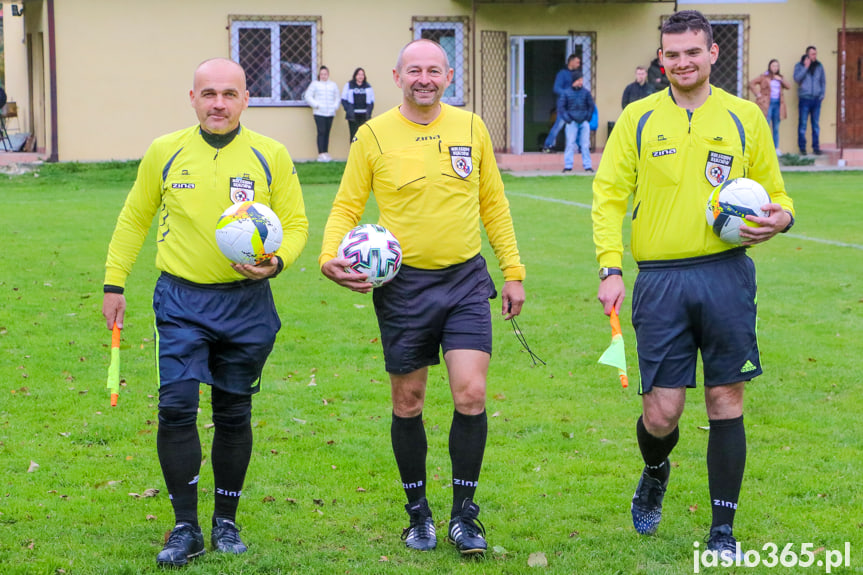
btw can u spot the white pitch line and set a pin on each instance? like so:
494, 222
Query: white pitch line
588, 206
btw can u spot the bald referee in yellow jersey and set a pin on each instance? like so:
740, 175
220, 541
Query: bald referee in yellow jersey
433, 172
215, 321
694, 293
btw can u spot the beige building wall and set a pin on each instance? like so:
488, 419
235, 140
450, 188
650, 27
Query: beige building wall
124, 68
15, 57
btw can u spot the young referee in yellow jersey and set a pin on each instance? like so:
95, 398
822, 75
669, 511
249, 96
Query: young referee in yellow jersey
693, 292
433, 172
215, 321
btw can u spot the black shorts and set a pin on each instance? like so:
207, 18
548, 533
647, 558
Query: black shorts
216, 334
421, 312
706, 304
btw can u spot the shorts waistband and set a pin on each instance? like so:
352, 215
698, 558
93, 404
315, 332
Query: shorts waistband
687, 262
243, 283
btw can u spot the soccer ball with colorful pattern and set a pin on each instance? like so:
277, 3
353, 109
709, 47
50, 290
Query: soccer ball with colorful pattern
372, 250
730, 202
248, 233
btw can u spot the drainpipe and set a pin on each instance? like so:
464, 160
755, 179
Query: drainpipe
52, 80
473, 56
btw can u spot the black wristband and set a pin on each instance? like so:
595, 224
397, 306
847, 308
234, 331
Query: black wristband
107, 288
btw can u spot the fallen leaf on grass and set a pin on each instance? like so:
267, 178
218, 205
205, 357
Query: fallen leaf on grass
537, 559
152, 492
360, 490
383, 559
33, 467
319, 502
291, 500
268, 499
693, 508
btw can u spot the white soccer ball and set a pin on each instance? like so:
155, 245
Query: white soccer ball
248, 233
730, 203
372, 250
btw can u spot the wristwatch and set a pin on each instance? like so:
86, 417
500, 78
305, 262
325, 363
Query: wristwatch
605, 272
790, 224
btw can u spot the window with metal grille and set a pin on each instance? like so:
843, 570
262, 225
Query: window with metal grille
279, 56
729, 71
450, 34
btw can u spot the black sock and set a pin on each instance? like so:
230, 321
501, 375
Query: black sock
466, 448
410, 447
180, 457
726, 458
655, 450
232, 450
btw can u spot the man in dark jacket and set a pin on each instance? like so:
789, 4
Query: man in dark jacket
656, 75
576, 107
809, 75
562, 82
638, 89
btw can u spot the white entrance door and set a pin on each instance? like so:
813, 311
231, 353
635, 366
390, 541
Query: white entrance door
534, 62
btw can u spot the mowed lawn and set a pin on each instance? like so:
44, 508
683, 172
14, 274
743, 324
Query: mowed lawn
78, 478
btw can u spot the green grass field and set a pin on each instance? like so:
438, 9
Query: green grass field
323, 494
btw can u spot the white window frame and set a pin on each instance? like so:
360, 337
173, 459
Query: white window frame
459, 80
275, 55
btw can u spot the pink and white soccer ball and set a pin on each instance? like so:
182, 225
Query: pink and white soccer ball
372, 250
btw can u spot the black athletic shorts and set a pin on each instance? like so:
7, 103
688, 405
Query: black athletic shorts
422, 312
682, 306
219, 334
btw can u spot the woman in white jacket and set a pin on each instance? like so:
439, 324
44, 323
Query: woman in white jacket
323, 96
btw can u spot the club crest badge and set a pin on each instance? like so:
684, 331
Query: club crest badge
242, 190
718, 168
462, 162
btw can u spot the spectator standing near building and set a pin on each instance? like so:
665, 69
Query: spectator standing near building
809, 75
562, 83
323, 96
636, 90
668, 152
215, 321
576, 108
769, 89
358, 100
656, 78
434, 176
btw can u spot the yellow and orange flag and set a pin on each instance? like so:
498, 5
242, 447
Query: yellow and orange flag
114, 368
615, 355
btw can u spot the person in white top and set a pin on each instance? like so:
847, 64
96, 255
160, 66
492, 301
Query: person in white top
324, 98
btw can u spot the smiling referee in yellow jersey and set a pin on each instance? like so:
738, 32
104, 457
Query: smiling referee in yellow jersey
433, 172
693, 292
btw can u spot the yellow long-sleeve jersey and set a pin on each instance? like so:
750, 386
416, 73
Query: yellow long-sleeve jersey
433, 184
669, 160
190, 184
